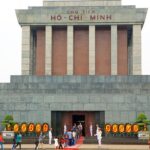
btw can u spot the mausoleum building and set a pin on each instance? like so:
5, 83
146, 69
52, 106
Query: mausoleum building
81, 62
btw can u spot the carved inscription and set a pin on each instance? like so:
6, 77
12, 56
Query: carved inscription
80, 15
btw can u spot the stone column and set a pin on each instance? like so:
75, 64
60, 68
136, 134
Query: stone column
26, 50
113, 49
50, 118
129, 53
48, 50
91, 50
136, 50
69, 50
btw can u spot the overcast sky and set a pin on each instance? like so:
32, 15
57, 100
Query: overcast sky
10, 36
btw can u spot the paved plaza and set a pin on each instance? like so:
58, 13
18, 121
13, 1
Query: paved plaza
86, 147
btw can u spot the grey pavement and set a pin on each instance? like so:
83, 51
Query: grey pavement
85, 147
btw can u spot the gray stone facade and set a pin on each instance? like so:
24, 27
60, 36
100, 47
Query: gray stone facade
79, 15
32, 99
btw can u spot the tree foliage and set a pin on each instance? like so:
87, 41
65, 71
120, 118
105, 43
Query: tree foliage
142, 121
8, 120
141, 118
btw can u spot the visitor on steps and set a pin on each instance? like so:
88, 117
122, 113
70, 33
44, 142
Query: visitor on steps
61, 142
14, 142
56, 143
18, 140
69, 133
36, 142
1, 142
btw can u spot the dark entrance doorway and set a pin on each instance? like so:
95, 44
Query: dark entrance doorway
77, 119
59, 118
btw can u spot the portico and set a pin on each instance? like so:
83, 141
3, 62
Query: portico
102, 39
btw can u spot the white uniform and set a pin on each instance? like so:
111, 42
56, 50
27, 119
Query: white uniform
65, 128
99, 137
56, 142
50, 136
91, 130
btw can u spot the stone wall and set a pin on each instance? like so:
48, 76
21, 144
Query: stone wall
82, 3
32, 98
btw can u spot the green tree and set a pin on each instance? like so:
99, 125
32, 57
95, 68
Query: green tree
141, 118
8, 122
142, 121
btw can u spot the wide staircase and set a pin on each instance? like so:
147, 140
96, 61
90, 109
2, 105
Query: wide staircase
115, 140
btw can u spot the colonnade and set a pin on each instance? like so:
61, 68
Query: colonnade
135, 58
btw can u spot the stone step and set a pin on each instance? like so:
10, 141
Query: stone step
93, 140
115, 140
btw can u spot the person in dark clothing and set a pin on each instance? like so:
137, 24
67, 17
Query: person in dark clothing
69, 134
18, 140
61, 143
14, 142
41, 139
149, 142
36, 143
